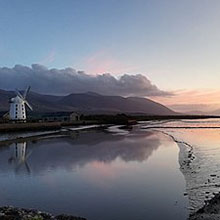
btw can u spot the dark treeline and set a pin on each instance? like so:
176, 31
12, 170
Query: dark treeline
108, 119
126, 118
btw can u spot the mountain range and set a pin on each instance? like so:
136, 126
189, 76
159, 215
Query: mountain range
91, 103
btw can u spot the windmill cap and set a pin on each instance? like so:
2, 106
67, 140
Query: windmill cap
17, 100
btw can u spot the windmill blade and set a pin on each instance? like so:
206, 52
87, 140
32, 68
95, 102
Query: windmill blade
26, 92
19, 94
29, 106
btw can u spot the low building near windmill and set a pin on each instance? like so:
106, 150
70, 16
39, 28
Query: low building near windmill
60, 116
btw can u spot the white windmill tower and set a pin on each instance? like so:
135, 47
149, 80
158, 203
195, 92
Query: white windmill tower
17, 106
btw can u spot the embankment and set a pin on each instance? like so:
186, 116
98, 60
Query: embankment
40, 126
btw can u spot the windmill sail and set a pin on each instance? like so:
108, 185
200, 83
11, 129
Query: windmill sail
26, 92
29, 106
19, 94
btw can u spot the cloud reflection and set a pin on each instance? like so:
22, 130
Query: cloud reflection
89, 147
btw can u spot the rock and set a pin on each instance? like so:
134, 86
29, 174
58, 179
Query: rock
212, 175
210, 211
12, 213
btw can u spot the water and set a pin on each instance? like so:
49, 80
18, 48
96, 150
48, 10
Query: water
202, 139
98, 175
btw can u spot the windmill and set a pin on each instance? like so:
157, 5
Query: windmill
17, 106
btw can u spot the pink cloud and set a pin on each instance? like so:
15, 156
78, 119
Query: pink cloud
208, 99
104, 62
49, 58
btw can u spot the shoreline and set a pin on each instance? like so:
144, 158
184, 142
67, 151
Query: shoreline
53, 133
41, 126
97, 119
210, 209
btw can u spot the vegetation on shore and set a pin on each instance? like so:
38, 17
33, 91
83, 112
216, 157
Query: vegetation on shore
119, 119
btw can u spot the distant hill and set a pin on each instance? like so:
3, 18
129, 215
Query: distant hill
91, 103
195, 113
214, 113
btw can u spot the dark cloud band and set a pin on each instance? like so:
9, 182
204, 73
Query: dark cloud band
68, 80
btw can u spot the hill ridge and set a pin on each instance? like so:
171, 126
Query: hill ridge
88, 102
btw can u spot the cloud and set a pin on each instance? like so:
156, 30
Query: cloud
68, 80
103, 61
85, 149
205, 100
49, 58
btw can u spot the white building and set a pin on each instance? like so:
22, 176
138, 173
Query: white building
17, 109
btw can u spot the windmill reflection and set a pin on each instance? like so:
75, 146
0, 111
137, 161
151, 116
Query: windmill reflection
19, 157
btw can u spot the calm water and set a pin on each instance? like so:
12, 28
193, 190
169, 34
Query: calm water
203, 173
98, 175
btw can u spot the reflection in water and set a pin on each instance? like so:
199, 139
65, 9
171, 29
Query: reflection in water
97, 175
75, 151
19, 157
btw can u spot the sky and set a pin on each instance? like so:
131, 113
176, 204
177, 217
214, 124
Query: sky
170, 48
